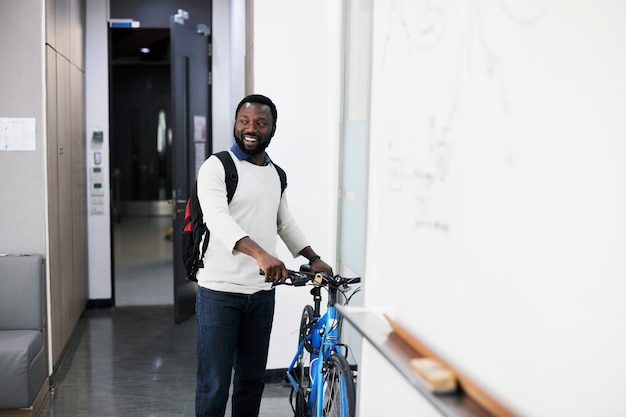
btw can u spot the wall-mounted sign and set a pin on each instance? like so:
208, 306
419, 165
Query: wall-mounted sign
17, 134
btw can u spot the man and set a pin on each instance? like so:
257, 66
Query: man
235, 304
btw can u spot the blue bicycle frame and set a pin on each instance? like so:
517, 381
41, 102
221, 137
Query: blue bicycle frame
324, 338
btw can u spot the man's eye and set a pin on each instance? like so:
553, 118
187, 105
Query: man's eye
243, 122
261, 124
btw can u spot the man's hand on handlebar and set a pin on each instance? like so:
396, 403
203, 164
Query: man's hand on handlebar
320, 266
274, 269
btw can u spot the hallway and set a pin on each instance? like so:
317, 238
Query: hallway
135, 362
143, 261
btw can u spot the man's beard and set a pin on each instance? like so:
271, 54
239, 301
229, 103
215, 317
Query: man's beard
260, 148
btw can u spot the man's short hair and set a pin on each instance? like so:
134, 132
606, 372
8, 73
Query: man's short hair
259, 99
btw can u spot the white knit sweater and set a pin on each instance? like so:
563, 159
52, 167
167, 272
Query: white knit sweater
256, 210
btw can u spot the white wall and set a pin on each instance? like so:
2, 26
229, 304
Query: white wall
222, 103
383, 392
297, 64
23, 218
97, 119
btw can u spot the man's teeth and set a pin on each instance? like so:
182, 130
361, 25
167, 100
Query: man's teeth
250, 139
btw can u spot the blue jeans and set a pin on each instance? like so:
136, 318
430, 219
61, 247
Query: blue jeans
233, 332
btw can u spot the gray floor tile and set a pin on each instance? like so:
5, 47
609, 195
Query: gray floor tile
134, 361
143, 261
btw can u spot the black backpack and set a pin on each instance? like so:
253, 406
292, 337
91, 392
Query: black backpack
195, 228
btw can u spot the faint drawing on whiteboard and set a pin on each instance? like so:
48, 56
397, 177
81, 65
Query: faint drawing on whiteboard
396, 174
527, 12
487, 70
421, 60
440, 145
445, 66
421, 26
429, 28
422, 186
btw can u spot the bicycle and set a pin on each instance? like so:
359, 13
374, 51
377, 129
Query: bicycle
328, 388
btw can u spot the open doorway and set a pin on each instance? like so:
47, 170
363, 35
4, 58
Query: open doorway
140, 147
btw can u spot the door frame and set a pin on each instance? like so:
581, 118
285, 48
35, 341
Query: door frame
190, 64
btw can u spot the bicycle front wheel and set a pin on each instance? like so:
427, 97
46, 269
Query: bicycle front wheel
339, 390
301, 369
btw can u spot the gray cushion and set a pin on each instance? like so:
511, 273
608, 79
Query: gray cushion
22, 367
21, 293
22, 321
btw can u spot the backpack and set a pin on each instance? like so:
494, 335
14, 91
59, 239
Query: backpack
195, 227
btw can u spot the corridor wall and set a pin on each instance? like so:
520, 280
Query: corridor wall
44, 185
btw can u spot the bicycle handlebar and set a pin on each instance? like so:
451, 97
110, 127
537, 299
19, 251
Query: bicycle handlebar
320, 279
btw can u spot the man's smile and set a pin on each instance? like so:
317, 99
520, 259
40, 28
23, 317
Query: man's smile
250, 140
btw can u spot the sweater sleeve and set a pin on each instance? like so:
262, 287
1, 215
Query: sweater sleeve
288, 229
212, 197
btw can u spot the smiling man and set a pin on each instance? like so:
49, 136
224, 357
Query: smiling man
235, 304
254, 128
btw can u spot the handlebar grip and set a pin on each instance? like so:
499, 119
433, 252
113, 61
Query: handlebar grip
299, 281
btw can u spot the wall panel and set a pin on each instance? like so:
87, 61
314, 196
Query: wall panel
67, 216
65, 220
53, 200
77, 33
51, 22
79, 191
63, 33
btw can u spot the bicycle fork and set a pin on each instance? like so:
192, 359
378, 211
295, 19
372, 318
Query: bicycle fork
328, 343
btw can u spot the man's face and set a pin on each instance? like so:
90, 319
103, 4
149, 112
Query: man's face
254, 128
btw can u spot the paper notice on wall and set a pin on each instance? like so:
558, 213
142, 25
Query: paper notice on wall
17, 134
199, 128
200, 151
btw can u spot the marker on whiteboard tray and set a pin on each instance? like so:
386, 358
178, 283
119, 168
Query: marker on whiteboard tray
436, 376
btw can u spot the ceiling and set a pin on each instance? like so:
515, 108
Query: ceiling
126, 46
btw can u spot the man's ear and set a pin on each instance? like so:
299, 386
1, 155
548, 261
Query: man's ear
273, 131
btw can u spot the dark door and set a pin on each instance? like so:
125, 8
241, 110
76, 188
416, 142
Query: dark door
190, 115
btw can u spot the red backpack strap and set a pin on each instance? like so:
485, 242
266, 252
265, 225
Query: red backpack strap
188, 225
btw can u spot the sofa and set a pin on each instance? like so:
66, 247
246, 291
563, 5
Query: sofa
24, 381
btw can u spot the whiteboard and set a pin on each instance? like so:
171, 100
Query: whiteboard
497, 193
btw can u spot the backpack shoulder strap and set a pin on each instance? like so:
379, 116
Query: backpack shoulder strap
230, 176
283, 178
